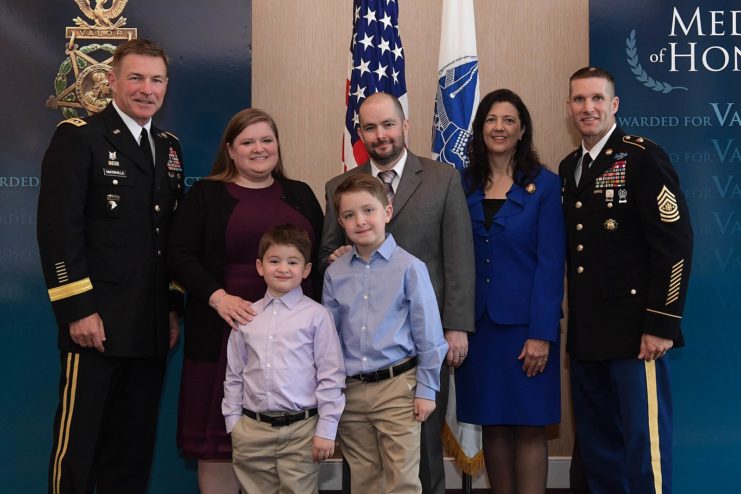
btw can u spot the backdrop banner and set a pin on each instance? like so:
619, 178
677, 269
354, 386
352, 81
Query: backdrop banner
678, 71
209, 47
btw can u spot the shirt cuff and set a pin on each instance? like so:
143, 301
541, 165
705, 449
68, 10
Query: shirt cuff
231, 421
425, 392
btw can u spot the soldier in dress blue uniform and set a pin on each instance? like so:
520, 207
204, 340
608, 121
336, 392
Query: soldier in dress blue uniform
109, 185
629, 256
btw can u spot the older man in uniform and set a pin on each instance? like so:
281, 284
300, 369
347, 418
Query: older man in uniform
431, 221
629, 255
109, 185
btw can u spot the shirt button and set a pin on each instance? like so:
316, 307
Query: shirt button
578, 204
579, 248
580, 269
633, 291
609, 204
268, 366
488, 261
365, 297
364, 359
367, 266
579, 227
159, 252
486, 240
487, 280
275, 312
362, 328
157, 230
157, 207
270, 337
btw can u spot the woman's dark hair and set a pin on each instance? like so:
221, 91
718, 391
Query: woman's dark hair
525, 160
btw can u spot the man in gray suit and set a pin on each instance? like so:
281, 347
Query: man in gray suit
431, 221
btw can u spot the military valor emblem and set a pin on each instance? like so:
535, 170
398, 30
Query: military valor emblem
82, 80
668, 209
610, 225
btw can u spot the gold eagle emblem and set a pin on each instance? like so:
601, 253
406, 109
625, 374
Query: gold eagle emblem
101, 16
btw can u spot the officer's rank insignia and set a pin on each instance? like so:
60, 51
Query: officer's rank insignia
530, 188
610, 225
668, 208
173, 161
82, 80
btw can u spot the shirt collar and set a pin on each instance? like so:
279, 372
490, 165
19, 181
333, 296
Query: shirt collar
290, 299
132, 125
385, 250
398, 167
597, 148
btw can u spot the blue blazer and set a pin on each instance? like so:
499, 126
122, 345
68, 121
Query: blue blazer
520, 259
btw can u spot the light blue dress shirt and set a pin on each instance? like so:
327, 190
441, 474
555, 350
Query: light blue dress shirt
288, 358
385, 311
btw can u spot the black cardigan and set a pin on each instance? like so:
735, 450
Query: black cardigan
197, 249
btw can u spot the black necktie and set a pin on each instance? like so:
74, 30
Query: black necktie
146, 147
586, 161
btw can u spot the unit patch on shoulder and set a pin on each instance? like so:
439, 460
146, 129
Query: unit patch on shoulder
668, 208
77, 122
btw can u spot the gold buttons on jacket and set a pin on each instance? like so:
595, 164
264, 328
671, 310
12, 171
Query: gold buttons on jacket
157, 207
579, 227
633, 291
579, 248
578, 204
580, 269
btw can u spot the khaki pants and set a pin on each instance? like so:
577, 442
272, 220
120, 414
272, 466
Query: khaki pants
380, 436
275, 460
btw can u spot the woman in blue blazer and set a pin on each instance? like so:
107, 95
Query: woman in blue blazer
510, 381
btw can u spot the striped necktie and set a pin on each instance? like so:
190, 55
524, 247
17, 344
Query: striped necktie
387, 177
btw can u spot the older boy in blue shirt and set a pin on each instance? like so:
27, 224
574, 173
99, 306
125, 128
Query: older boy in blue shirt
284, 378
386, 313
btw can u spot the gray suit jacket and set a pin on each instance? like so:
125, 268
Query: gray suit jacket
430, 221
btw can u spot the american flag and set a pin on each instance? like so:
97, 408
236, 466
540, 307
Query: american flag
376, 64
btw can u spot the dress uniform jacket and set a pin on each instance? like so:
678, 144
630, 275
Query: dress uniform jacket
629, 249
103, 218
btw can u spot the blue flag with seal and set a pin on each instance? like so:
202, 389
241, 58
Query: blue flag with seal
458, 84
455, 105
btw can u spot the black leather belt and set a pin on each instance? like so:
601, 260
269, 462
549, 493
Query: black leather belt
387, 373
287, 418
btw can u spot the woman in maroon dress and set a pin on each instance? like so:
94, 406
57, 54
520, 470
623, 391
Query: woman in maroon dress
213, 247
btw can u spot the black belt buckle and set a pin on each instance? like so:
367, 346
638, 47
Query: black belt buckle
374, 377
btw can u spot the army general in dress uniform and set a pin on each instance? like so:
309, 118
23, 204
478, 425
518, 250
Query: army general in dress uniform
629, 256
109, 185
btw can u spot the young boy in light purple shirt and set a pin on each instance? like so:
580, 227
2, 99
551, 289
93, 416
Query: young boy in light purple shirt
284, 377
392, 339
